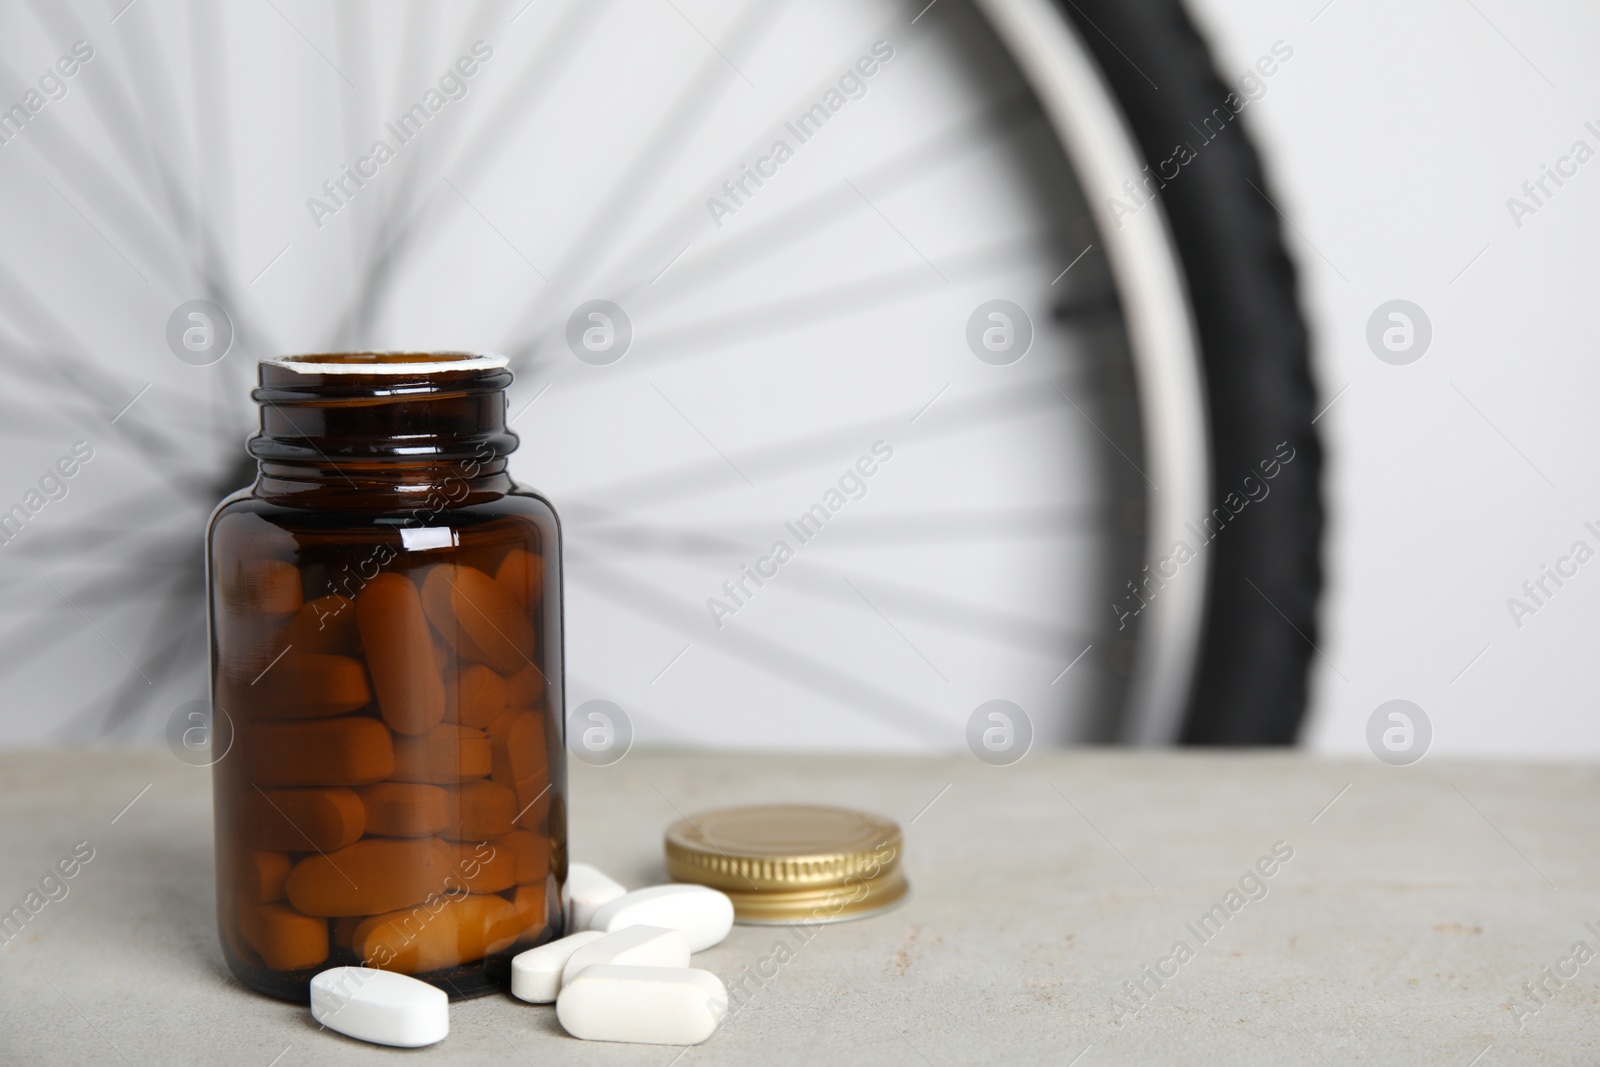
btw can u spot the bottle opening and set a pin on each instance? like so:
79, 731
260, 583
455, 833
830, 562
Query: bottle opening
387, 362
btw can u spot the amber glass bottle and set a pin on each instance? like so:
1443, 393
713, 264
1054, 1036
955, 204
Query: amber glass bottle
385, 611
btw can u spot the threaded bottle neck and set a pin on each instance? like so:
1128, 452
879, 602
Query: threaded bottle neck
382, 424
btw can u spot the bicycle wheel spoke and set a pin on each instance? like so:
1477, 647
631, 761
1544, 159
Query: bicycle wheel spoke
666, 142
768, 656
376, 276
769, 238
824, 582
810, 451
898, 531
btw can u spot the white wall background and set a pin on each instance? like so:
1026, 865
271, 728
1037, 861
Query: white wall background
1394, 137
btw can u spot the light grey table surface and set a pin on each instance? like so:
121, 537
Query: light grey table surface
1417, 904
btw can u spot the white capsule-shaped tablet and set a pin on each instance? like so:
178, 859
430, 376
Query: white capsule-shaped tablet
650, 1005
587, 890
632, 946
703, 914
380, 1006
536, 973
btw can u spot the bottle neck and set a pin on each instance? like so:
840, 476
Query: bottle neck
422, 489
394, 432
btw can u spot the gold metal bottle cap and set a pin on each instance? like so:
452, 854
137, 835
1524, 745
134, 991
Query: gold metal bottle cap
792, 863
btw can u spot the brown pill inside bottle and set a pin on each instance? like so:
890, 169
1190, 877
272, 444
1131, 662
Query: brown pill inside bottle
531, 852
484, 868
305, 820
285, 939
326, 624
521, 573
529, 902
479, 618
446, 755
475, 696
399, 648
519, 763
351, 751
301, 685
372, 876
480, 810
405, 809
438, 599
525, 689
263, 875
416, 940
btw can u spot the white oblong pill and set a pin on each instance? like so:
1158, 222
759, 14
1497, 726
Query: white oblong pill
587, 890
380, 1006
703, 914
536, 973
632, 946
650, 1005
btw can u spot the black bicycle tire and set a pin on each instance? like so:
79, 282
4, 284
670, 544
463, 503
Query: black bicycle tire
1259, 625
